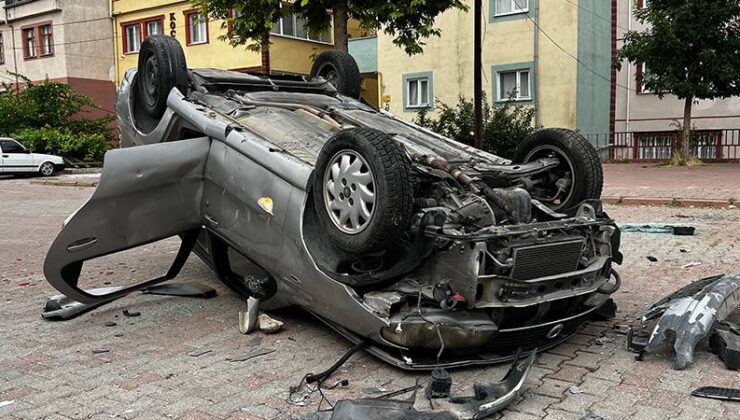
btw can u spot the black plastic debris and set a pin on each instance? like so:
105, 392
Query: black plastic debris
190, 289
726, 345
60, 307
130, 314
100, 351
729, 394
440, 385
652, 259
199, 353
251, 355
110, 324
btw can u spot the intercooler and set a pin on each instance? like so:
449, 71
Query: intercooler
531, 262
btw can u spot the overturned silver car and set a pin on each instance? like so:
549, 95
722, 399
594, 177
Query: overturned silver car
295, 192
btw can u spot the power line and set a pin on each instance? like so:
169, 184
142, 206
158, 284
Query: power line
595, 14
597, 74
68, 23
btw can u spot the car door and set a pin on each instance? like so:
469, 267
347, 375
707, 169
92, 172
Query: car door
15, 157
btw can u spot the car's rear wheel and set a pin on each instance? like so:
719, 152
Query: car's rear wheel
341, 70
577, 178
161, 68
46, 169
362, 190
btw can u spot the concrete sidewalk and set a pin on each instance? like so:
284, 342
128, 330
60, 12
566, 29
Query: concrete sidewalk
714, 185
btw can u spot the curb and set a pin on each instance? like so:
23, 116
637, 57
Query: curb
66, 183
670, 202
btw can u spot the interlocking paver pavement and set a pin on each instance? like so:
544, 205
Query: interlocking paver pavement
48, 369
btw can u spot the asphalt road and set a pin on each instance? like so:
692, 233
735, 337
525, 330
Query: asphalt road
49, 369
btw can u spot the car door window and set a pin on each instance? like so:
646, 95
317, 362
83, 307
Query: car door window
11, 147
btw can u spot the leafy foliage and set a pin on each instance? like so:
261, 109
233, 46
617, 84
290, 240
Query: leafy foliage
407, 21
64, 142
49, 117
690, 48
504, 126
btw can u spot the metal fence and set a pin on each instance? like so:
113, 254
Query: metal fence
707, 145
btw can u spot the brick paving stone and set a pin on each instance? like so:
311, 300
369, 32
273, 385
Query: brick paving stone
566, 349
578, 403
569, 373
590, 361
550, 360
553, 387
534, 404
652, 413
618, 405
555, 414
515, 415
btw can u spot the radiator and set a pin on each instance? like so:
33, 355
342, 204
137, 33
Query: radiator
531, 262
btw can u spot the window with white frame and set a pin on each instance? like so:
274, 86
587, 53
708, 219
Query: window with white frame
198, 29
294, 26
29, 39
654, 146
47, 40
510, 7
154, 27
514, 85
417, 92
644, 76
133, 38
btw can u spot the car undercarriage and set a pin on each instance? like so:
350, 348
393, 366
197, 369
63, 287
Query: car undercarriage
429, 252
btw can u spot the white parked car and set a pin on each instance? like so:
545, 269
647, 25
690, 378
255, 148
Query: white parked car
16, 159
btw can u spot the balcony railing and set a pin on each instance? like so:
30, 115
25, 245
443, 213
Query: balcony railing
650, 146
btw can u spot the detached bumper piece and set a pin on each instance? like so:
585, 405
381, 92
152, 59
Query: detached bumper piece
488, 400
717, 393
689, 315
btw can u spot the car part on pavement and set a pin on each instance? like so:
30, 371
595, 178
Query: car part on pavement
726, 345
248, 319
61, 307
434, 253
189, 289
440, 384
653, 228
688, 315
729, 394
487, 400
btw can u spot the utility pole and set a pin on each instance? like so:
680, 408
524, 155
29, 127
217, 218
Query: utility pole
15, 58
477, 73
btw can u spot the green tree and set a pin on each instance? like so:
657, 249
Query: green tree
408, 21
504, 125
691, 49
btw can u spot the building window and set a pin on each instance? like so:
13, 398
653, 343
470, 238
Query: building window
197, 29
29, 42
510, 7
294, 26
654, 146
154, 27
514, 85
417, 92
643, 76
705, 143
47, 40
132, 38
2, 49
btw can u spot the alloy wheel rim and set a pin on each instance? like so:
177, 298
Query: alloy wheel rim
47, 169
547, 151
349, 192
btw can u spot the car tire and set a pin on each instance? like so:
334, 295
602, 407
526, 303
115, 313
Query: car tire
362, 190
47, 169
577, 156
162, 66
340, 69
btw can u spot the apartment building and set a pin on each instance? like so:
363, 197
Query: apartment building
553, 55
63, 40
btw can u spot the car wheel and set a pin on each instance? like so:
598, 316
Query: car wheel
340, 69
46, 169
161, 67
362, 190
577, 178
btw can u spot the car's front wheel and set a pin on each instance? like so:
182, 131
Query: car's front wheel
578, 177
47, 169
362, 190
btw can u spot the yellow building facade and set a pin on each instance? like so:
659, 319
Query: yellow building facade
562, 68
291, 50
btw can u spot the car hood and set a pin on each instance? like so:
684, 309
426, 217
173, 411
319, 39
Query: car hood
39, 158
